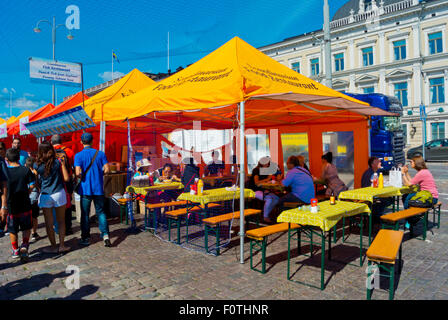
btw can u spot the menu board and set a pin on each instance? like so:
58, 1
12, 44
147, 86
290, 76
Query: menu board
67, 121
3, 131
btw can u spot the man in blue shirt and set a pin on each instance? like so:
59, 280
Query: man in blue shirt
301, 183
91, 188
17, 144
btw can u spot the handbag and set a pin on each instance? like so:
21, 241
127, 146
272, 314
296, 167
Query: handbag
397, 178
422, 199
83, 176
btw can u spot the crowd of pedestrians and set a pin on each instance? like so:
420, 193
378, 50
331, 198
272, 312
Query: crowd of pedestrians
45, 183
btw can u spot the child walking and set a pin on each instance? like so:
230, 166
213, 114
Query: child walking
19, 204
34, 197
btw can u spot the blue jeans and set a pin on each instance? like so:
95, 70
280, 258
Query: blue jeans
272, 200
98, 201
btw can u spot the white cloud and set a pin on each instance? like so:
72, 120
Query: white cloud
24, 103
107, 75
26, 94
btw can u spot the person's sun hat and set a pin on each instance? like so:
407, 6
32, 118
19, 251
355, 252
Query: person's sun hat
143, 164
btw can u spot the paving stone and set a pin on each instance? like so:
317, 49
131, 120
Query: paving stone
146, 267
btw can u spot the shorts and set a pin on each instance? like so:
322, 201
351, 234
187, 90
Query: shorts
35, 210
19, 222
54, 200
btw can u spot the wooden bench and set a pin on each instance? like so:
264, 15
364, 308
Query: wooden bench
150, 211
392, 220
258, 238
123, 205
383, 254
176, 216
213, 224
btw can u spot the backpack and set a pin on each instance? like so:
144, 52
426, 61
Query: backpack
422, 199
61, 154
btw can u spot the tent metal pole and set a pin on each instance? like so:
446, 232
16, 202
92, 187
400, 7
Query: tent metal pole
242, 179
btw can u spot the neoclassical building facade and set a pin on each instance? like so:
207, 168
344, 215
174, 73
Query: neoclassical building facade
394, 47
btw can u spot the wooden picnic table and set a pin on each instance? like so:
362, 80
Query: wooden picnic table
161, 186
325, 220
369, 194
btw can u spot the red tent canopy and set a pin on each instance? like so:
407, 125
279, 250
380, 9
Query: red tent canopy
74, 101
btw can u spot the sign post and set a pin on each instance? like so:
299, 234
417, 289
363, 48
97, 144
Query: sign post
50, 71
423, 119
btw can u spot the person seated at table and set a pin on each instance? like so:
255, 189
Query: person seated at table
168, 174
191, 172
215, 167
143, 167
302, 187
423, 178
302, 162
380, 204
374, 164
329, 176
264, 172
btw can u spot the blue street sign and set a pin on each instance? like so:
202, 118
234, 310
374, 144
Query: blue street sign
422, 112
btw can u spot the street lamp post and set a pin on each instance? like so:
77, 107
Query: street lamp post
53, 40
10, 102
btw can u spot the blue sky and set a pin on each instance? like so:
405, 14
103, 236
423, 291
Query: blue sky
137, 31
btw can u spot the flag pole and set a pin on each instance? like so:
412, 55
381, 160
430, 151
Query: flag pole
112, 78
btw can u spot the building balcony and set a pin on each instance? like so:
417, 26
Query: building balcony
375, 11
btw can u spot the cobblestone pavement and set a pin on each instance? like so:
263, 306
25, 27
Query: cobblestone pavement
144, 267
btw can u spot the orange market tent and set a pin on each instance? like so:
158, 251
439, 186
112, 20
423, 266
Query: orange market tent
15, 128
239, 86
65, 105
99, 109
16, 121
275, 97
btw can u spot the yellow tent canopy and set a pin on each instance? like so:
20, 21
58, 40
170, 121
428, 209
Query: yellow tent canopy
11, 120
22, 115
2, 121
98, 107
231, 74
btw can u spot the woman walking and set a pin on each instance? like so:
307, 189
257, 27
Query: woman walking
52, 174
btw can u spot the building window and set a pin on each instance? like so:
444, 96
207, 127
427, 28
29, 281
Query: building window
339, 62
435, 42
367, 5
401, 92
438, 130
367, 56
437, 90
295, 66
314, 66
369, 89
400, 50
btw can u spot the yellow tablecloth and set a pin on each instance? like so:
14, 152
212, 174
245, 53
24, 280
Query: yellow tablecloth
328, 215
155, 187
213, 195
367, 194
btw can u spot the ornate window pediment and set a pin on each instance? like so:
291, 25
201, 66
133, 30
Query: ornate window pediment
366, 78
399, 73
